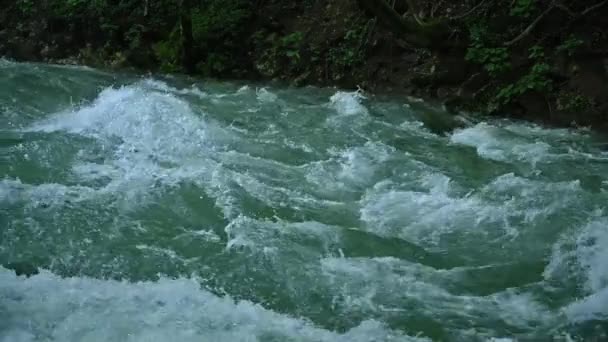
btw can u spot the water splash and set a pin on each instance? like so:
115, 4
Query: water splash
368, 225
63, 309
348, 103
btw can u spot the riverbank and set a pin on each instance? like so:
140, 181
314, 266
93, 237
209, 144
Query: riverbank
522, 59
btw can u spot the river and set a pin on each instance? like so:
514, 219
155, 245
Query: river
165, 208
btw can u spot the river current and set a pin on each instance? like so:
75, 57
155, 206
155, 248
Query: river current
166, 208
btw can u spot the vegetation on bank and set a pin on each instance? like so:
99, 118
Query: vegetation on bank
541, 59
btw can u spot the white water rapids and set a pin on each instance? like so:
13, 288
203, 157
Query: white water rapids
168, 208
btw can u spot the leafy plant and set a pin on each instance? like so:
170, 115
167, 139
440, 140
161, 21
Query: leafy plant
573, 102
536, 52
134, 35
483, 51
216, 63
523, 8
536, 79
167, 52
494, 60
290, 46
218, 19
25, 6
348, 53
570, 45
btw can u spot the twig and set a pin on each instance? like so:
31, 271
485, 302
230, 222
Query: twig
469, 12
566, 9
435, 8
594, 7
530, 27
550, 108
369, 31
581, 14
481, 90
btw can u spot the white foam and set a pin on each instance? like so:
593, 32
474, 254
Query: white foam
417, 128
45, 195
358, 164
297, 146
265, 96
592, 253
592, 307
375, 285
6, 63
581, 257
155, 139
85, 309
248, 233
349, 168
534, 130
244, 89
421, 215
207, 235
164, 87
492, 143
531, 195
436, 206
348, 103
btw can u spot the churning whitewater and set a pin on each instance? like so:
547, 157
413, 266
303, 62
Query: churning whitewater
167, 208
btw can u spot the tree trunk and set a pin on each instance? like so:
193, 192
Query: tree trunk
187, 40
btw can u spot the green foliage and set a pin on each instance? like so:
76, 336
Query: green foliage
216, 63
573, 102
290, 46
219, 29
167, 52
73, 8
537, 78
128, 30
536, 52
134, 35
570, 45
25, 6
348, 53
219, 19
483, 51
523, 8
282, 52
494, 60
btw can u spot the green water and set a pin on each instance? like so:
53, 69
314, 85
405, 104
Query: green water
163, 208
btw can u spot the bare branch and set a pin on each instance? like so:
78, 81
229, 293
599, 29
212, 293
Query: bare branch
469, 12
594, 7
530, 27
584, 12
435, 8
565, 9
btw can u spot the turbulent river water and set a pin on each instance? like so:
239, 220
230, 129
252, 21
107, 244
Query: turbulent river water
162, 208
